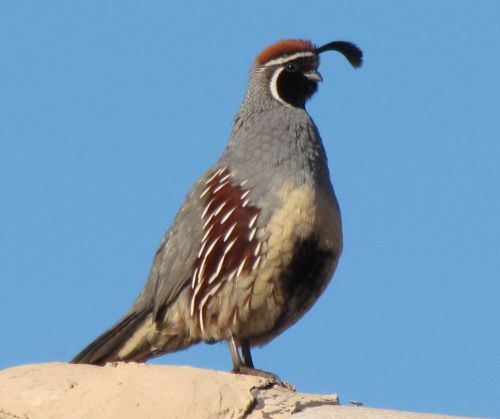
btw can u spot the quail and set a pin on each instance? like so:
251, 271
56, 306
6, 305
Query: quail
259, 235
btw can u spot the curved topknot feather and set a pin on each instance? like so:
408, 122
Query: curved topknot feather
349, 50
287, 46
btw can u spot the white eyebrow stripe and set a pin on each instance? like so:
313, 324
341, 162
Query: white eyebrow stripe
283, 60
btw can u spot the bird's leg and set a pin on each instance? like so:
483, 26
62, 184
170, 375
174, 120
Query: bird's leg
247, 355
246, 367
235, 355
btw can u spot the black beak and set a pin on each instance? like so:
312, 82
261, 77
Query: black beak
314, 75
350, 51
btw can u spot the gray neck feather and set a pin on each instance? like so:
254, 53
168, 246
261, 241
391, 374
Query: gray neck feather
270, 139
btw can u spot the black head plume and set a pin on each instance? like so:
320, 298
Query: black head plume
350, 51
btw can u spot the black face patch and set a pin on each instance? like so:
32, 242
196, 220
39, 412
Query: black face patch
292, 86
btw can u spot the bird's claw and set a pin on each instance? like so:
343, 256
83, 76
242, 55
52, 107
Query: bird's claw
273, 378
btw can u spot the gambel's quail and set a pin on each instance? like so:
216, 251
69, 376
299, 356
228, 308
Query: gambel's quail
259, 235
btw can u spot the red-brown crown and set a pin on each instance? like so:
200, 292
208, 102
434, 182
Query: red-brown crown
288, 46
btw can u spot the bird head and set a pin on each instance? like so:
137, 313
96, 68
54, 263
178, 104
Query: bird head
289, 68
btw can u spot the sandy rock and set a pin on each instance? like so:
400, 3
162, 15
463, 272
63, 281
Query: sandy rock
131, 391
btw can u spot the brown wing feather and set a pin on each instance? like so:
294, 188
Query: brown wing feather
229, 246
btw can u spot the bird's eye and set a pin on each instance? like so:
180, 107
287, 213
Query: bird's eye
291, 67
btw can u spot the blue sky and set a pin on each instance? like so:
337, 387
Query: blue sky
110, 110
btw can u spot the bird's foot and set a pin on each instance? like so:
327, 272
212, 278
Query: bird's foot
273, 378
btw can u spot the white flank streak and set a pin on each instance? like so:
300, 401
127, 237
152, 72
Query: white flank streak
229, 232
245, 202
203, 244
204, 301
205, 191
217, 173
193, 298
193, 280
217, 271
215, 289
198, 286
257, 249
228, 247
196, 292
207, 233
191, 309
211, 247
209, 294
201, 322
207, 207
198, 280
228, 214
231, 276
240, 268
211, 178
252, 234
213, 214
244, 182
244, 194
219, 209
200, 276
256, 263
218, 188
208, 221
252, 221
224, 178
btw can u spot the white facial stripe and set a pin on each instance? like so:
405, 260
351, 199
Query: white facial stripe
274, 86
283, 60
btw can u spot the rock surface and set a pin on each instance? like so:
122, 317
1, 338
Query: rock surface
127, 391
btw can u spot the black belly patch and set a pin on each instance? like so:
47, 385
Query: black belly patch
304, 279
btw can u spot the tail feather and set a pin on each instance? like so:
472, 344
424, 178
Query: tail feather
107, 346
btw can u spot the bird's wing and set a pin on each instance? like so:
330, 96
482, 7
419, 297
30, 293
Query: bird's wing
172, 266
213, 237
